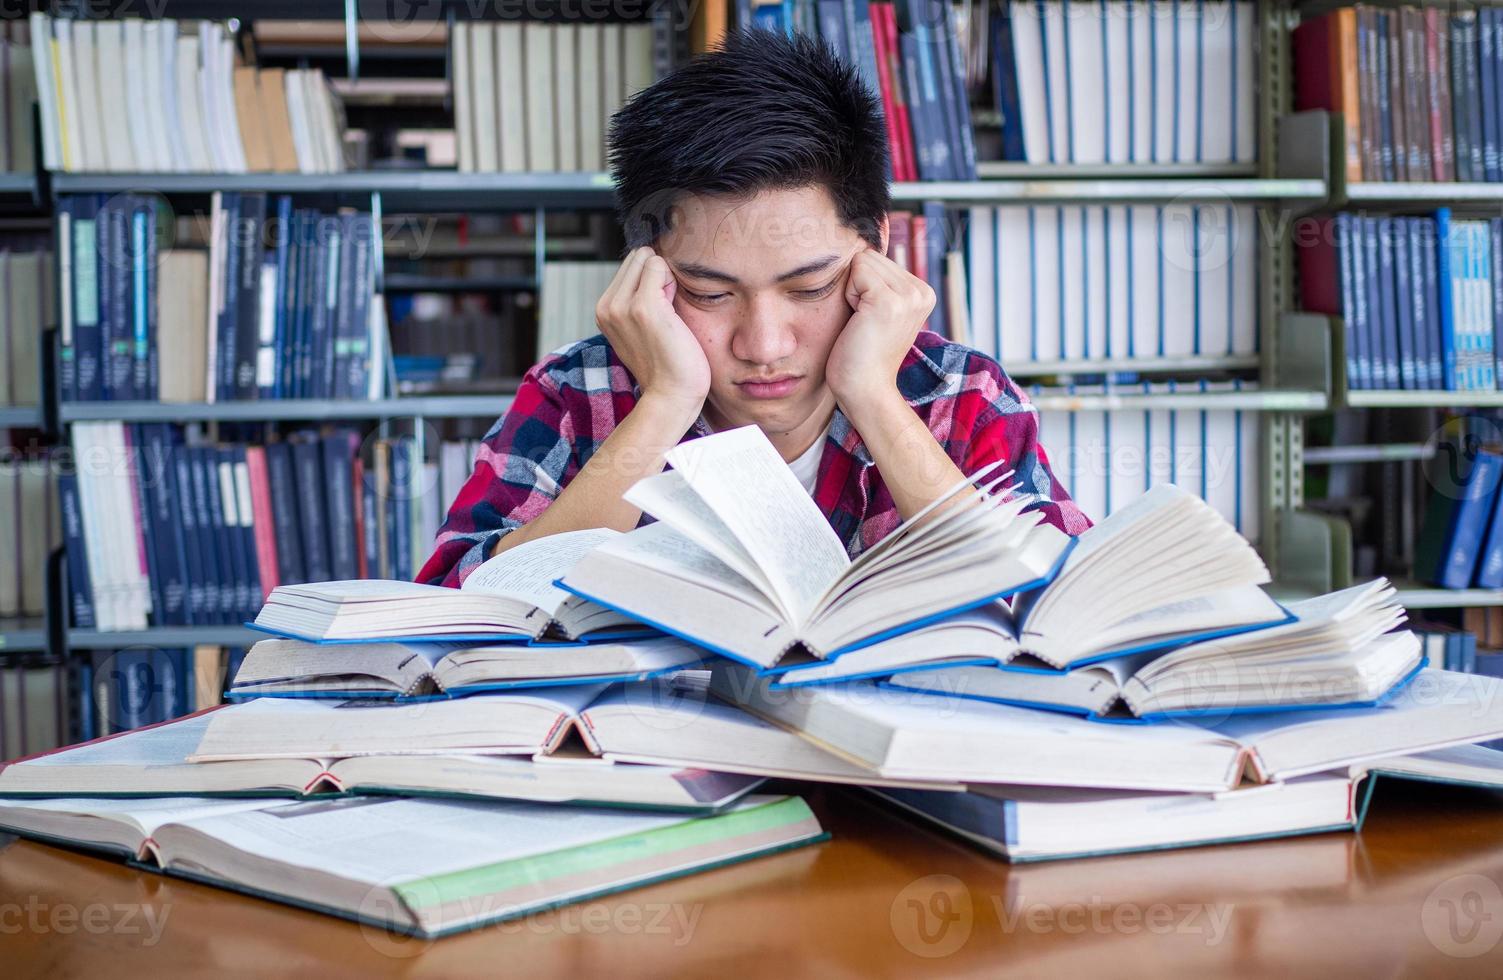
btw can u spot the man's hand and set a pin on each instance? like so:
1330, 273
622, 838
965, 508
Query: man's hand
891, 305
636, 315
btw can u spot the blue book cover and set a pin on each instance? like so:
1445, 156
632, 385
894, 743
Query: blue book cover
144, 515
242, 548
115, 282
1005, 82
1351, 293
195, 564
213, 584
1488, 91
937, 25
1379, 308
1481, 264
312, 521
84, 370
1445, 276
1434, 339
1419, 313
1403, 294
283, 484
1456, 517
832, 28
80, 591
1387, 304
924, 115
1495, 294
143, 256
863, 51
227, 342
1379, 38
206, 462
164, 542
361, 238
279, 234
339, 450
400, 520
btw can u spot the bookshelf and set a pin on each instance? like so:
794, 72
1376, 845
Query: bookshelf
298, 410
23, 635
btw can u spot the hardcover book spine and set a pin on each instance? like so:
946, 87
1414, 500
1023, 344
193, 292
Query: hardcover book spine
80, 592
284, 511
338, 451
311, 517
250, 256
197, 605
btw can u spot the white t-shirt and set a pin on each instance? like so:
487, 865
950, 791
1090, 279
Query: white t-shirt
806, 467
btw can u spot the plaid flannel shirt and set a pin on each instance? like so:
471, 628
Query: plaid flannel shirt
575, 397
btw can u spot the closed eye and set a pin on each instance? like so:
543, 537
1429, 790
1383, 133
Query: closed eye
819, 293
703, 297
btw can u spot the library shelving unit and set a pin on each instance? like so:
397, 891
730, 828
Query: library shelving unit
1293, 380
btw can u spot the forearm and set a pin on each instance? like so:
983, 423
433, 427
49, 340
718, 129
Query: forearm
635, 449
914, 466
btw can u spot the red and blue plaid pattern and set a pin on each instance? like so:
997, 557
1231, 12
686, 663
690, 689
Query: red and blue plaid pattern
575, 397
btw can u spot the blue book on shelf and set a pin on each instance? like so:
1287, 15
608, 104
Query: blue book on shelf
1005, 84
1446, 276
1403, 293
1383, 228
1456, 518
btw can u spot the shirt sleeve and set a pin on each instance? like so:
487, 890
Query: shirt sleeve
520, 467
1004, 424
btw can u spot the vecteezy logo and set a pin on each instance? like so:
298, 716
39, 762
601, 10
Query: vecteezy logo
1463, 916
932, 917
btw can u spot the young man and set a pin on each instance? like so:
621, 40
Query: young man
751, 186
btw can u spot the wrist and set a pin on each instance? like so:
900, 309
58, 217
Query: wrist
672, 411
871, 404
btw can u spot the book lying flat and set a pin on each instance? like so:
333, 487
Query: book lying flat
914, 735
1035, 823
510, 597
651, 723
420, 671
1163, 571
153, 761
743, 562
1337, 653
422, 867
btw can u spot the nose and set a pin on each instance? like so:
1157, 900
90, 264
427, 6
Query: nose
763, 336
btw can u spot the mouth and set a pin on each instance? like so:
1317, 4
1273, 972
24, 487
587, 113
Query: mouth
776, 386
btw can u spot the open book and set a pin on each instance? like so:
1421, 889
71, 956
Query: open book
1163, 571
153, 761
743, 562
425, 867
657, 724
914, 735
510, 597
1337, 652
417, 671
1038, 823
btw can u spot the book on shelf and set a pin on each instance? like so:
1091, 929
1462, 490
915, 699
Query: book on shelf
1339, 652
1460, 541
425, 867
1165, 570
741, 560
17, 95
29, 514
31, 695
166, 96
510, 597
1123, 82
511, 78
176, 531
1036, 823
421, 671
1420, 297
154, 761
1108, 457
1115, 282
1417, 90
26, 305
916, 735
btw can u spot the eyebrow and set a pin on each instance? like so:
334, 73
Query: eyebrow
705, 272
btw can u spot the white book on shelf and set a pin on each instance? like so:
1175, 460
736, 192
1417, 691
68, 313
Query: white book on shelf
1070, 272
167, 85
464, 93
1120, 112
1250, 462
1178, 266
981, 230
566, 78
537, 41
1098, 302
1120, 284
1139, 18
153, 104
329, 129
1161, 440
1127, 435
297, 116
1142, 221
208, 56
92, 151
1028, 59
1016, 265
1057, 83
1087, 81
1165, 76
1218, 109
1044, 236
47, 91
216, 250
69, 96
190, 105
1223, 460
636, 59
1214, 271
1190, 83
612, 70
1089, 462
225, 86
591, 121
131, 85
1244, 279
482, 91
1245, 83
1189, 447
511, 97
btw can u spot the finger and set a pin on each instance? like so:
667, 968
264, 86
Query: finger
624, 286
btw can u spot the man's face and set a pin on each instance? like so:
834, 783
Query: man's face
761, 285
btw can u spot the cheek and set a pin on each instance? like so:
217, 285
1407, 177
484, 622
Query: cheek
709, 332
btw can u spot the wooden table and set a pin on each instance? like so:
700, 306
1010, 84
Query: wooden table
1416, 893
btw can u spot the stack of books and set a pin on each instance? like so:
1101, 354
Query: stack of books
164, 96
1140, 690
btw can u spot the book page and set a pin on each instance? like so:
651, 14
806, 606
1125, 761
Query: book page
743, 480
527, 571
165, 745
662, 547
147, 814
